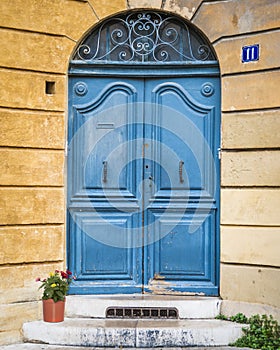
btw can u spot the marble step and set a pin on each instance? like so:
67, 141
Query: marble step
132, 333
189, 307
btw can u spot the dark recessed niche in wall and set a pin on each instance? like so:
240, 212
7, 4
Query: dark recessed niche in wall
50, 87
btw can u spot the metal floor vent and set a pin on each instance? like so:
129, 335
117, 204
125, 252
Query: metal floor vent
141, 312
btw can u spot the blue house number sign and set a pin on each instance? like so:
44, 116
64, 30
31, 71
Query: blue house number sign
250, 53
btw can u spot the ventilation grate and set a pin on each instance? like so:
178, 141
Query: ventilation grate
141, 312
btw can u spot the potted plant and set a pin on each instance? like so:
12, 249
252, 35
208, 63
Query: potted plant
55, 288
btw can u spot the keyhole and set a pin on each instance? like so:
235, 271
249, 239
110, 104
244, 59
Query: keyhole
147, 166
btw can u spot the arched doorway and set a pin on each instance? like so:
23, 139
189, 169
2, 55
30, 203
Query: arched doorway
143, 168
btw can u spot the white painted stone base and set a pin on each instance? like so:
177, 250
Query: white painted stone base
133, 333
230, 308
58, 347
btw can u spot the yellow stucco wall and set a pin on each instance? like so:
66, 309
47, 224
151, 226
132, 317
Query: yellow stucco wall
37, 39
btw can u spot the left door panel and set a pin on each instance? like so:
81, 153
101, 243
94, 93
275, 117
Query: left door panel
104, 168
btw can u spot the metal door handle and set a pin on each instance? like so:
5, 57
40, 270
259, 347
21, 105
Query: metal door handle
181, 163
105, 171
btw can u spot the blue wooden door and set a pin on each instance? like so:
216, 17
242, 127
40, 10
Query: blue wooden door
143, 189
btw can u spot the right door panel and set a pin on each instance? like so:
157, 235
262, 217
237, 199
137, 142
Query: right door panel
181, 224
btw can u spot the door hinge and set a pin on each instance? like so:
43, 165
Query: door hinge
219, 153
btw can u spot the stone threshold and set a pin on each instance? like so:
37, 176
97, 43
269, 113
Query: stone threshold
189, 307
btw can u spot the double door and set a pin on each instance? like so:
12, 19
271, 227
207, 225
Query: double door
143, 184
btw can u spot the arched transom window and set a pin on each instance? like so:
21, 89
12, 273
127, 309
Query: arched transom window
144, 37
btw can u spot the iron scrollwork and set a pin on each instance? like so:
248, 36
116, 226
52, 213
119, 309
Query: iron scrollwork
144, 37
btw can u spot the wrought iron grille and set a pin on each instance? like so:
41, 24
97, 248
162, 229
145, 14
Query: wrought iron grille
144, 36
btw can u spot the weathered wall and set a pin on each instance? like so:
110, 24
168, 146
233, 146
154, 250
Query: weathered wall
37, 38
250, 165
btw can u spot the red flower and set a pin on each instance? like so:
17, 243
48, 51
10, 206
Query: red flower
69, 272
63, 274
38, 279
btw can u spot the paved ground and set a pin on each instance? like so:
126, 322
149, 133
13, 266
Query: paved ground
55, 347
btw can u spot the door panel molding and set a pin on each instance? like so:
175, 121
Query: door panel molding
102, 121
198, 116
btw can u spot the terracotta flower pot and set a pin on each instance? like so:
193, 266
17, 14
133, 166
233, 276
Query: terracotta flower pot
53, 312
